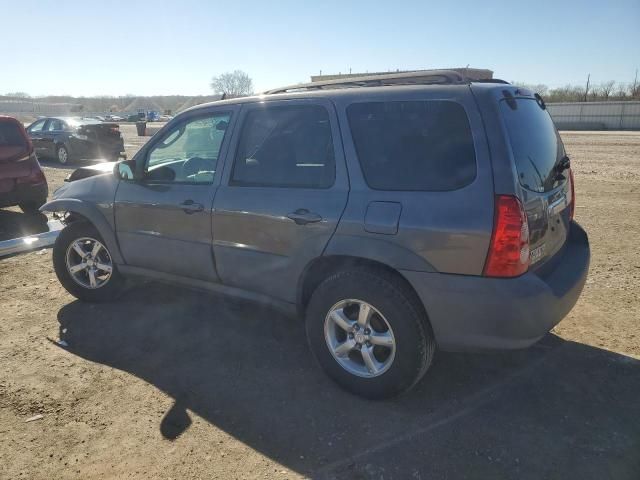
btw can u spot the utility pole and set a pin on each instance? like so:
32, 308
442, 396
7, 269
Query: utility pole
587, 89
635, 83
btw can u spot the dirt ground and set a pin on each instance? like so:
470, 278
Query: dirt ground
169, 383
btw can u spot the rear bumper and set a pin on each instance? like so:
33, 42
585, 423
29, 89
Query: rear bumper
24, 193
478, 313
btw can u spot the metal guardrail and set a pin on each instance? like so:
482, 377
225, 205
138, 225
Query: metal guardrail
29, 243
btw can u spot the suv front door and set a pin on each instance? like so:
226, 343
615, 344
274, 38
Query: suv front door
163, 220
281, 200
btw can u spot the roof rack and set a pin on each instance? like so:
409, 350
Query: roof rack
491, 80
424, 77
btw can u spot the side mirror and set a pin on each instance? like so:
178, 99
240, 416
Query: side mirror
125, 170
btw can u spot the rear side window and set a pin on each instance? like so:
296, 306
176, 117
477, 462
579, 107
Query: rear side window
413, 145
285, 146
535, 143
55, 125
10, 135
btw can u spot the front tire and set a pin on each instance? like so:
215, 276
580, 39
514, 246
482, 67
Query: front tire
84, 265
369, 333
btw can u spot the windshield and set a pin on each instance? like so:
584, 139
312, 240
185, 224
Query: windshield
535, 143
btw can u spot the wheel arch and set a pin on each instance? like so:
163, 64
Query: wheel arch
79, 210
322, 267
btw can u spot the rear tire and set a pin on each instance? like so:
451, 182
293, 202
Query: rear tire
397, 315
93, 282
62, 155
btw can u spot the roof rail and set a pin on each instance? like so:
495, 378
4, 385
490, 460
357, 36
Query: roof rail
424, 77
491, 80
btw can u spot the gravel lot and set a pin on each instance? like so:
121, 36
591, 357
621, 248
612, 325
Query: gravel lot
169, 383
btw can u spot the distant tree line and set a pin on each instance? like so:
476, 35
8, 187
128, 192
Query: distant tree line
606, 91
110, 103
238, 84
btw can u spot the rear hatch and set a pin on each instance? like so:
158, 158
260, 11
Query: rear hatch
15, 150
543, 175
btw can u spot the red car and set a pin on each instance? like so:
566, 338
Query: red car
22, 181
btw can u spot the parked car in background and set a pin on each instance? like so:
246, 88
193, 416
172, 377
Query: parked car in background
72, 138
394, 217
113, 118
152, 116
22, 181
136, 117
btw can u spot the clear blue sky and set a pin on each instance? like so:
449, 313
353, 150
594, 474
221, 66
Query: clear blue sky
175, 47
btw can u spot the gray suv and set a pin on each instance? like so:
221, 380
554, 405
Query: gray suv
394, 214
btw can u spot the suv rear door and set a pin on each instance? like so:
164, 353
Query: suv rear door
545, 186
281, 197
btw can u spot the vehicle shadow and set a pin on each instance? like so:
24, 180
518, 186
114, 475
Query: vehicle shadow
557, 410
14, 224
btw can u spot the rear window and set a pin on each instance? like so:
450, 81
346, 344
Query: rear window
535, 143
413, 145
10, 135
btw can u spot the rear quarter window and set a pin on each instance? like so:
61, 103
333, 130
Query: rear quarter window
413, 145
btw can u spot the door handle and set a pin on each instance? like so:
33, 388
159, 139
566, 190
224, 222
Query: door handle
302, 216
189, 207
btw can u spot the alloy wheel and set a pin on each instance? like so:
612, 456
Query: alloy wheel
89, 263
63, 155
360, 338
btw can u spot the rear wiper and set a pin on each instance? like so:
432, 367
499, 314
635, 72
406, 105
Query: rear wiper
561, 166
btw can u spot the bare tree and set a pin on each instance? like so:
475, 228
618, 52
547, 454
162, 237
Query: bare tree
621, 91
606, 89
17, 95
568, 93
233, 84
540, 88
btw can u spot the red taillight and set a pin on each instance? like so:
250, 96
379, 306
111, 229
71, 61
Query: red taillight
509, 249
572, 205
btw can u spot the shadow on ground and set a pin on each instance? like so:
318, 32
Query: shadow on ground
14, 224
557, 410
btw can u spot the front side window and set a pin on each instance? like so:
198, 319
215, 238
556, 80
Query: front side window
285, 146
413, 145
37, 126
189, 152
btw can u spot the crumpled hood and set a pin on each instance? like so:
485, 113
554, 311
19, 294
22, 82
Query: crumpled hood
90, 171
99, 189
